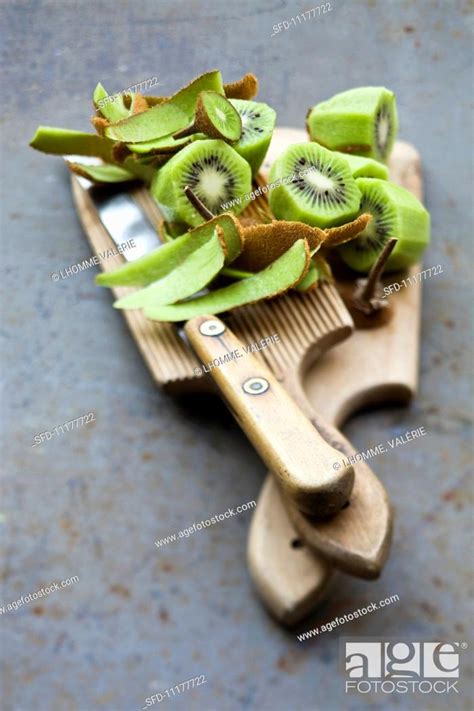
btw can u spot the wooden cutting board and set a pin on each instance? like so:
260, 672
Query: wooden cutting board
374, 366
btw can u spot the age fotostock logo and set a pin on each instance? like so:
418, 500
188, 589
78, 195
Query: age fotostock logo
404, 667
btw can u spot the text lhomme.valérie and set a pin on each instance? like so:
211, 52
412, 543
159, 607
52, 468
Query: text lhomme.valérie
381, 448
240, 352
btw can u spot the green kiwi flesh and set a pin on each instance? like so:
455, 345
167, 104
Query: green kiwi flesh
258, 122
365, 167
315, 186
215, 173
361, 121
395, 213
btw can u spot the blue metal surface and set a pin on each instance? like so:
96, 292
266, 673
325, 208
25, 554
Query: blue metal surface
92, 502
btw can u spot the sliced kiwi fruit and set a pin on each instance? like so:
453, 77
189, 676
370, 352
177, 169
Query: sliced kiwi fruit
245, 88
215, 173
361, 121
314, 186
216, 117
395, 213
365, 167
258, 122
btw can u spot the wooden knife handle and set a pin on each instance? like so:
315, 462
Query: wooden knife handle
311, 472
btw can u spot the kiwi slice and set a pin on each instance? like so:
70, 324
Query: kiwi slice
215, 173
216, 117
365, 167
258, 122
361, 121
395, 213
314, 186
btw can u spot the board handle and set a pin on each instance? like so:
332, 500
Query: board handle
311, 472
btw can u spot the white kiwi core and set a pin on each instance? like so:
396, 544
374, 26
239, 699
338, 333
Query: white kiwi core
320, 181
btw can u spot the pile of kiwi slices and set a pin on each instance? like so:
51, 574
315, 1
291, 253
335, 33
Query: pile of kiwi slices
199, 152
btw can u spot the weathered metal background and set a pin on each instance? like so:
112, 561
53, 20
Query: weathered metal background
92, 502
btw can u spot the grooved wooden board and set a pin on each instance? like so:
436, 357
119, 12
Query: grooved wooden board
374, 366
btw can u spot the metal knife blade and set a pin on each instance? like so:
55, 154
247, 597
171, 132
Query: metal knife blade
119, 214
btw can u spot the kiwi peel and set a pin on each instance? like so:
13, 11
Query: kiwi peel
112, 108
334, 236
281, 275
396, 212
263, 243
216, 117
154, 265
310, 279
245, 88
62, 141
165, 259
319, 272
227, 222
100, 124
138, 103
233, 234
169, 231
190, 276
167, 117
362, 121
101, 173
164, 145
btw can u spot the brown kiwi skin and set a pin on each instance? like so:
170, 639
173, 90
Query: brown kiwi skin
140, 104
266, 242
245, 88
100, 124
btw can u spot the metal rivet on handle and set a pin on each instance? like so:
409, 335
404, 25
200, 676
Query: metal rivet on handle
211, 328
255, 386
